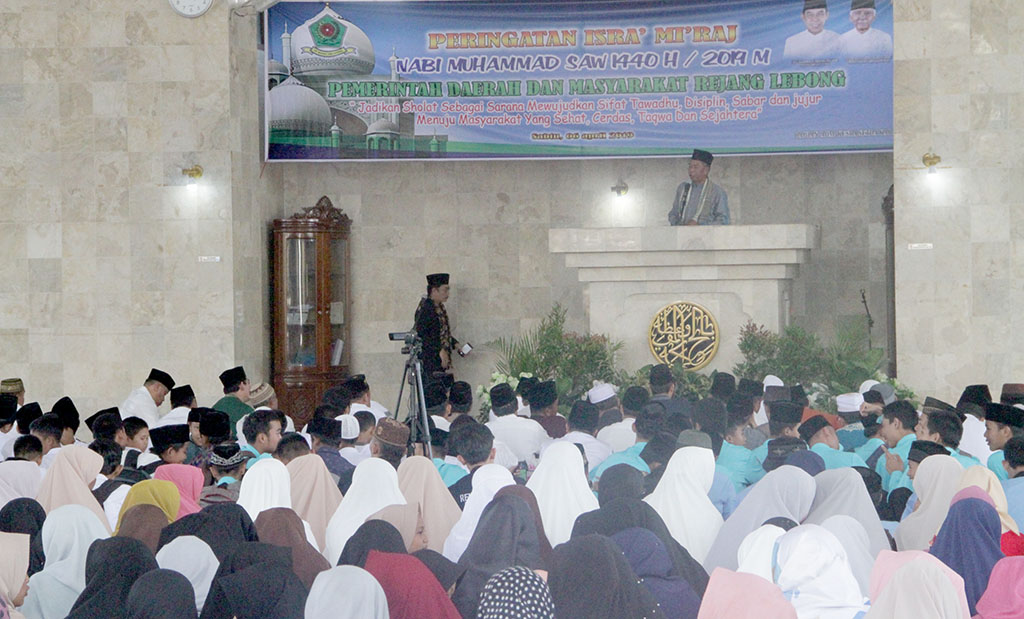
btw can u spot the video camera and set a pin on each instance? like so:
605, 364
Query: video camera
408, 337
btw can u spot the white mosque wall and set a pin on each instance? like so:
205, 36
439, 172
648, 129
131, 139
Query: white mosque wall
959, 232
486, 222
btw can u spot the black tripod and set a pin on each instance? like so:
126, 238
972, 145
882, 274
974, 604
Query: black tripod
413, 374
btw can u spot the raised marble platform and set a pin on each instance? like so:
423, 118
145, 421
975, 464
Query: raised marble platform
738, 273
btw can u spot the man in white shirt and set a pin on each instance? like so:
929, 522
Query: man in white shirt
814, 43
359, 391
620, 436
525, 437
864, 42
582, 424
110, 489
356, 434
48, 429
144, 401
183, 400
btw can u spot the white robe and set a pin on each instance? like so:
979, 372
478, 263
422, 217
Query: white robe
596, 450
49, 458
619, 435
525, 437
807, 46
356, 454
140, 404
871, 44
177, 416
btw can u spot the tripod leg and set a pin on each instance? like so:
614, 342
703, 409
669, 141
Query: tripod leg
401, 388
421, 410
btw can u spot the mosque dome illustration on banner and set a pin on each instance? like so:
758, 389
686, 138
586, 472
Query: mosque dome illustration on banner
276, 72
299, 110
382, 126
329, 46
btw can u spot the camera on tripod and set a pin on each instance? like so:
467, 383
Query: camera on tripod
408, 337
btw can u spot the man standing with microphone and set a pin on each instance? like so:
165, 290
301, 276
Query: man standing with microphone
699, 202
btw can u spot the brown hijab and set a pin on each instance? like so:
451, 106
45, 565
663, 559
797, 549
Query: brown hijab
315, 495
281, 526
144, 522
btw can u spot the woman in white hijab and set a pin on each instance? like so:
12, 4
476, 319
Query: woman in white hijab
19, 479
374, 487
194, 559
842, 492
757, 550
346, 592
681, 499
814, 574
854, 538
67, 534
560, 484
268, 485
786, 492
936, 481
487, 480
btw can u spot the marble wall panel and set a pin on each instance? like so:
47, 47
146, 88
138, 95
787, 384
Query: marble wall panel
955, 312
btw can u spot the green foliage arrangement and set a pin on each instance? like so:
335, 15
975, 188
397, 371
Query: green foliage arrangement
549, 352
691, 385
797, 356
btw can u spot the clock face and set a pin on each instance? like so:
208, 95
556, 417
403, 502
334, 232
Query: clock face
190, 8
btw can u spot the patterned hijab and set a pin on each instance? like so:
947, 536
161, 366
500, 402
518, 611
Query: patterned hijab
516, 592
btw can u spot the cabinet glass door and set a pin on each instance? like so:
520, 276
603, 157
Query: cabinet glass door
337, 301
300, 301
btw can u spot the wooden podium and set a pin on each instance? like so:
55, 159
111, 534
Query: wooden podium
736, 273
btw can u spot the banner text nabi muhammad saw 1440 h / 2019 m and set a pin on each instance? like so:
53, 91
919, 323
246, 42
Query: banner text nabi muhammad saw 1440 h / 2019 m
502, 79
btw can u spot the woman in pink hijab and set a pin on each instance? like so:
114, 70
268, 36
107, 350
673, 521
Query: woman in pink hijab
760, 599
1004, 596
189, 481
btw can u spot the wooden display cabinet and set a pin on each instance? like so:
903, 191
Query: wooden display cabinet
310, 291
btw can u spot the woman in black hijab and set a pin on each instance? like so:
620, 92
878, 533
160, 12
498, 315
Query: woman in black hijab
505, 536
371, 535
162, 594
623, 514
589, 577
261, 592
446, 572
26, 516
223, 526
111, 568
255, 580
622, 481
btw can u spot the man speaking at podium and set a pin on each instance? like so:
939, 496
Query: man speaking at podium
699, 202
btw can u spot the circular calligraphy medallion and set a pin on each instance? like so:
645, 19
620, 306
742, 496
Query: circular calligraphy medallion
684, 332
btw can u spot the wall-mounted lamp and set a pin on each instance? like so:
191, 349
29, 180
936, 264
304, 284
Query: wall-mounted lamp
194, 173
620, 188
930, 161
